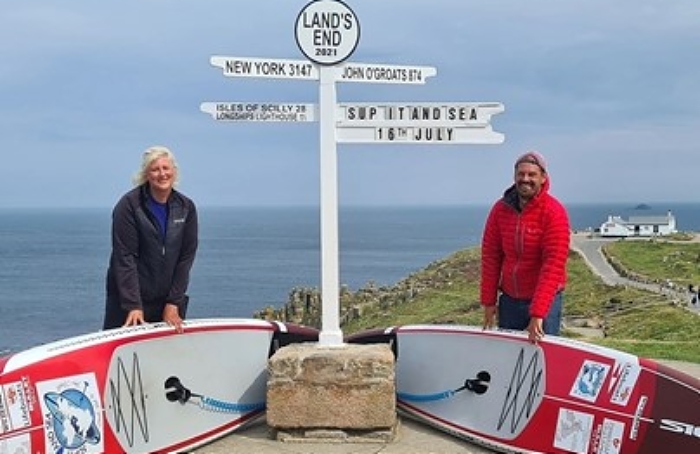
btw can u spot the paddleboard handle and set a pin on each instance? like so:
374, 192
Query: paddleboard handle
478, 385
176, 391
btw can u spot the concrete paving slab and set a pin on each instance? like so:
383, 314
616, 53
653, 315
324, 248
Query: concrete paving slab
412, 438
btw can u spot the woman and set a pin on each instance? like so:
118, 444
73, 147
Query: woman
154, 243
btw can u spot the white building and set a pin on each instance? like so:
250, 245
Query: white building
639, 226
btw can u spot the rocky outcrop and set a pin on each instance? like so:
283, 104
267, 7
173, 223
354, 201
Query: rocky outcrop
304, 303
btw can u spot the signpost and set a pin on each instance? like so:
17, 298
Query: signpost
327, 33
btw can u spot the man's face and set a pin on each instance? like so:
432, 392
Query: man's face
529, 179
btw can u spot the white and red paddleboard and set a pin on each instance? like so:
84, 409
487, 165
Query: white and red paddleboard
497, 389
144, 389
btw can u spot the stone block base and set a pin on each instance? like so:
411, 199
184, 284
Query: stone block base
321, 393
336, 435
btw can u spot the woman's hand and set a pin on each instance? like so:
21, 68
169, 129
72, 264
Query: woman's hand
134, 318
171, 316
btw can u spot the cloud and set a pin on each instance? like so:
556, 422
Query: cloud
86, 86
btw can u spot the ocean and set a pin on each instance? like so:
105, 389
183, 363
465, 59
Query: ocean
53, 261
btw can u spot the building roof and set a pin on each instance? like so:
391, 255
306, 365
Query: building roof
649, 220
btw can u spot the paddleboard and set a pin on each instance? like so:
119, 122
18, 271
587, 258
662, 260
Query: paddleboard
497, 389
142, 389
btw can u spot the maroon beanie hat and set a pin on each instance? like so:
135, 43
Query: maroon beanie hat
533, 157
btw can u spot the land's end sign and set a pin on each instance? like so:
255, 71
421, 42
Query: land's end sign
327, 31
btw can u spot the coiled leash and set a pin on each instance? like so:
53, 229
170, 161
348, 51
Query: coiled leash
177, 392
478, 385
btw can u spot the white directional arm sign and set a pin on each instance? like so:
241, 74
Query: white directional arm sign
419, 134
306, 70
379, 73
477, 115
437, 123
266, 68
261, 111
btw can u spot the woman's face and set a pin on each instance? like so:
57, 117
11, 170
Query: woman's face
161, 175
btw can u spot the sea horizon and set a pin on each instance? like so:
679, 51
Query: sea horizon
55, 260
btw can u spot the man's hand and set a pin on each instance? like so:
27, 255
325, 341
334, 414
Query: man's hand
534, 329
489, 317
171, 316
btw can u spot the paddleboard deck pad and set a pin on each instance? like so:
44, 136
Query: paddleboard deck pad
142, 389
497, 389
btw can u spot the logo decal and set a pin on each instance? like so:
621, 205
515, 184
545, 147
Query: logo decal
589, 381
14, 407
611, 437
681, 428
624, 383
573, 433
72, 414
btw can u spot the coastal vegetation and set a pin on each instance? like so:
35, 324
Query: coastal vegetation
676, 261
641, 322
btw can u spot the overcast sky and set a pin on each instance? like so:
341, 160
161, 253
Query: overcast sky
608, 91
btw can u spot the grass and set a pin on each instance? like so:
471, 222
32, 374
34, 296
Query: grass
635, 321
659, 260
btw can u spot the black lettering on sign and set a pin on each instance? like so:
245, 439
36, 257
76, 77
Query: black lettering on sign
237, 67
327, 38
390, 134
353, 72
229, 107
328, 20
433, 134
296, 69
462, 113
361, 112
270, 68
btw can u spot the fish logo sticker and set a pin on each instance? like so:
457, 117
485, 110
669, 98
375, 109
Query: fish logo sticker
73, 418
589, 381
72, 415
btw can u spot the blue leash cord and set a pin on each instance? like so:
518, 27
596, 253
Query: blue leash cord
478, 386
210, 404
425, 397
175, 391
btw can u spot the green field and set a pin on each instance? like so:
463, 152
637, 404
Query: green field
632, 320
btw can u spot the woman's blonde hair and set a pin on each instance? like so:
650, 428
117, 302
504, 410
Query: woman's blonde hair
150, 155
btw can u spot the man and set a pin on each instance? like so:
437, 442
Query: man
524, 250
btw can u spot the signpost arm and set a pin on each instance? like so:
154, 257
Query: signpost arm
330, 276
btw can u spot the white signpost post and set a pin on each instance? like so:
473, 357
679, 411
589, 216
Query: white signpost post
327, 33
